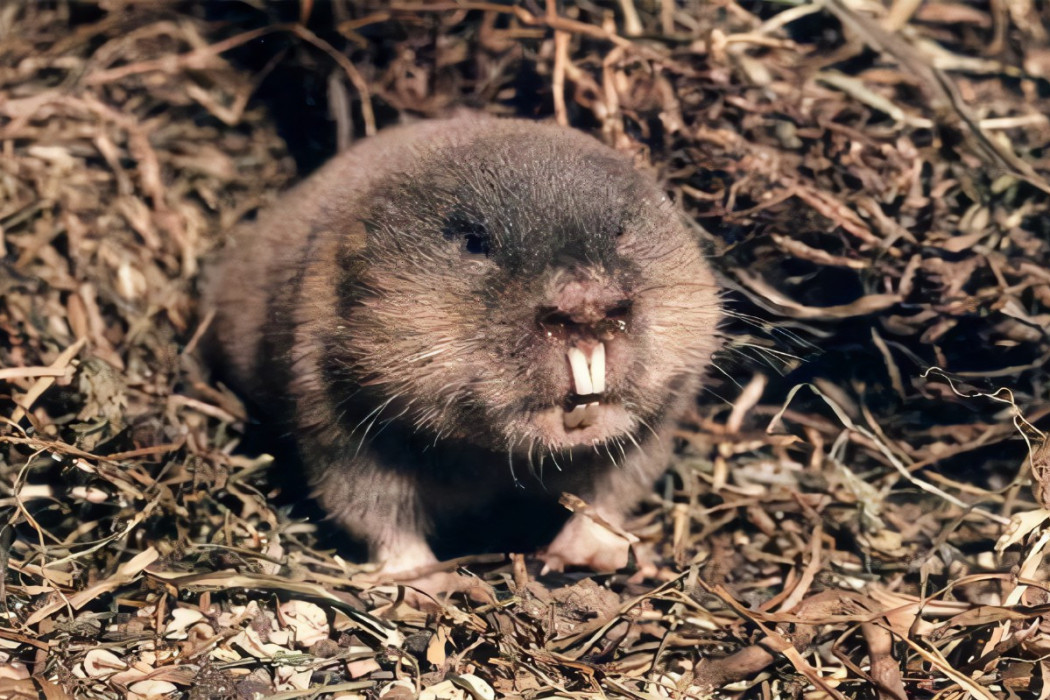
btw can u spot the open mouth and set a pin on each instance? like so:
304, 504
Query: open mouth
588, 387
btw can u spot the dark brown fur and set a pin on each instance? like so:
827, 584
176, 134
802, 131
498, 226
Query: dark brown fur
398, 304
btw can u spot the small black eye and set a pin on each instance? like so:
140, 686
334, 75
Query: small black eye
477, 243
473, 236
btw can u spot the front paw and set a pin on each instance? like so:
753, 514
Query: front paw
428, 591
426, 581
583, 542
405, 557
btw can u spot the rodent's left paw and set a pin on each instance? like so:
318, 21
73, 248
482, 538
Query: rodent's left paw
428, 592
583, 542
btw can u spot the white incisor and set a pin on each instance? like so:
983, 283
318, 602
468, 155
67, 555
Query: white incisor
588, 377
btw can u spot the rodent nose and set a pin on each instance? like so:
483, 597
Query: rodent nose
586, 322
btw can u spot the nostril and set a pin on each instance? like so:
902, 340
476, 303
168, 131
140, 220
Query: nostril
621, 310
615, 321
555, 321
595, 323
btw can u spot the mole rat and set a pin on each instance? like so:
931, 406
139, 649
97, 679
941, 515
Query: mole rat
461, 309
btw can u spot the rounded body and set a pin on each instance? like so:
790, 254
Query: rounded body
459, 311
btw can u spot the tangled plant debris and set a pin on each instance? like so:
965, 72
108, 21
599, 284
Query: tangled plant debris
858, 505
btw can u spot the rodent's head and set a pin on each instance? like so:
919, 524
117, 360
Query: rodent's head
527, 288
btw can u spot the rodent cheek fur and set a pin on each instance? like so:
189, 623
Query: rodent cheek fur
413, 336
676, 310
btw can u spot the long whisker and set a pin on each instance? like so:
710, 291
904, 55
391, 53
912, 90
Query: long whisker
510, 463
553, 458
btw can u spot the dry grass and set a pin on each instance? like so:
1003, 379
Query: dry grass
843, 520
